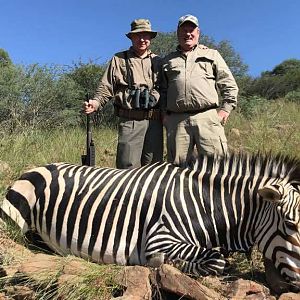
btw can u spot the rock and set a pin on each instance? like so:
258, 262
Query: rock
2, 296
136, 279
11, 253
247, 289
289, 296
75, 267
41, 266
172, 280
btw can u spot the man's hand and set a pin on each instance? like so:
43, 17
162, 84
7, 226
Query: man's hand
90, 107
223, 115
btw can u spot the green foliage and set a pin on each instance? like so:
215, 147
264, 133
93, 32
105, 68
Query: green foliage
24, 150
36, 96
293, 96
164, 43
87, 77
12, 231
233, 59
4, 58
283, 79
251, 105
287, 66
11, 83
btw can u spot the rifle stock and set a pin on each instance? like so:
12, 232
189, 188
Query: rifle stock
88, 159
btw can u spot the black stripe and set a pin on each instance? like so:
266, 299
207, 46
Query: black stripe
39, 183
76, 201
21, 204
84, 218
99, 211
69, 184
54, 190
132, 218
123, 211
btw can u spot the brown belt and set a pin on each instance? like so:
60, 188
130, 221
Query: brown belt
134, 114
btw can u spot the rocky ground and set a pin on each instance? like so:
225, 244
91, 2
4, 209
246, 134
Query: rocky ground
28, 274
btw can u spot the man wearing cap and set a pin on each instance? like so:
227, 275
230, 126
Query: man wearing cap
193, 77
131, 81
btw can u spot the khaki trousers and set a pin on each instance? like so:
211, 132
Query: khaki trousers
139, 143
186, 131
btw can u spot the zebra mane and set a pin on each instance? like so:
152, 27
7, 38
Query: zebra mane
258, 164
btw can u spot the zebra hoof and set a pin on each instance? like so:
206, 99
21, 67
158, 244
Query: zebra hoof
156, 259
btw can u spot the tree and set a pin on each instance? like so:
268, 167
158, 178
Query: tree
287, 66
282, 80
4, 58
87, 76
164, 43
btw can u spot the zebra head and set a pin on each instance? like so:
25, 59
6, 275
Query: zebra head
279, 236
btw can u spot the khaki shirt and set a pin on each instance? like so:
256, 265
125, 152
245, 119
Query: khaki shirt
193, 81
117, 84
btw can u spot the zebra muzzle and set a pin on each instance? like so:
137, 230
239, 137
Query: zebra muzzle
277, 282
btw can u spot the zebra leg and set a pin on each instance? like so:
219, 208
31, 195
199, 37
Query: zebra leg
200, 262
207, 262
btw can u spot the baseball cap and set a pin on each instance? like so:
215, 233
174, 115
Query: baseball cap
188, 18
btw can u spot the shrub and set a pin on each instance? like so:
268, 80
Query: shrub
251, 105
293, 96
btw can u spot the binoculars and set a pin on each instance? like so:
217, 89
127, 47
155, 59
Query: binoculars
142, 99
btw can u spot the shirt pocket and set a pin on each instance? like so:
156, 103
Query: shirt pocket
205, 68
173, 70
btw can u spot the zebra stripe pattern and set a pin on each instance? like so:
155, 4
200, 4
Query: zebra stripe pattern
163, 212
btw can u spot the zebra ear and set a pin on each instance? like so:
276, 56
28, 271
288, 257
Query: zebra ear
271, 192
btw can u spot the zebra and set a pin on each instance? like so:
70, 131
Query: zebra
166, 213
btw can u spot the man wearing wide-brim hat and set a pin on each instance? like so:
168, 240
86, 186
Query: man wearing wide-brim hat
131, 81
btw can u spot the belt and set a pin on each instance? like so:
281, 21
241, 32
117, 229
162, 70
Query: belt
192, 112
134, 114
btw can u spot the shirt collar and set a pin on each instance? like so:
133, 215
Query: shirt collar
178, 48
132, 53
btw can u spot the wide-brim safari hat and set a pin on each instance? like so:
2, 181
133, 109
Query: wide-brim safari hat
141, 25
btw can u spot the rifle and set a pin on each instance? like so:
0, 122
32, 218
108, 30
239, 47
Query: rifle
88, 159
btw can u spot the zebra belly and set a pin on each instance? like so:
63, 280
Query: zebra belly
109, 255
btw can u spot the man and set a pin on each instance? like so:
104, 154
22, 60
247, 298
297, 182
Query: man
131, 81
193, 77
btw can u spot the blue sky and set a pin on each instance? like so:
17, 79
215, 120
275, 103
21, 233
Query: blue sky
263, 32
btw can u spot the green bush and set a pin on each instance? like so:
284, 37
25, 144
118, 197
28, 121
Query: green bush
283, 79
37, 97
293, 96
251, 105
